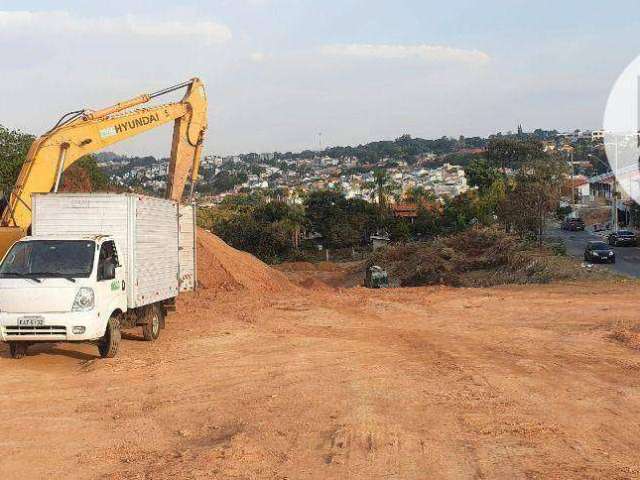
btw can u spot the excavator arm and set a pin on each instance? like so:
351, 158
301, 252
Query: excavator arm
83, 132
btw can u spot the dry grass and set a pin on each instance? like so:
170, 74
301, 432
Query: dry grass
480, 257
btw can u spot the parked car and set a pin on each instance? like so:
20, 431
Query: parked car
573, 224
599, 252
622, 238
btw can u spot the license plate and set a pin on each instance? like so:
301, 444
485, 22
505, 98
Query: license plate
30, 321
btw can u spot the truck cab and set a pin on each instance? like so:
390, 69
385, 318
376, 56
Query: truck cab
96, 263
55, 289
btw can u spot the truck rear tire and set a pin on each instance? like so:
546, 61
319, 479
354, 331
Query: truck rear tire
108, 345
153, 322
18, 349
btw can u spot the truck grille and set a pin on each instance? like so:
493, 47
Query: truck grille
15, 331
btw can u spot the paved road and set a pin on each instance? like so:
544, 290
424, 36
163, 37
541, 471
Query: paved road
627, 258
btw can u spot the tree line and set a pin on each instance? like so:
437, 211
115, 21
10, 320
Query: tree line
405, 148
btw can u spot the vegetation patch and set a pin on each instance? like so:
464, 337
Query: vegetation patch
479, 257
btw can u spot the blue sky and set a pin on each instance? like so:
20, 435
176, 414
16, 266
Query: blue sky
280, 71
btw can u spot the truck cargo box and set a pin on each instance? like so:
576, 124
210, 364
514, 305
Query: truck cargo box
148, 232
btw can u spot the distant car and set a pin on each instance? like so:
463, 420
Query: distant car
599, 252
622, 238
573, 224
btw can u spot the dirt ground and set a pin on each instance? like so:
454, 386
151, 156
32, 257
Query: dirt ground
298, 382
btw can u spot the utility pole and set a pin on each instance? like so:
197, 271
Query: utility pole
569, 155
573, 181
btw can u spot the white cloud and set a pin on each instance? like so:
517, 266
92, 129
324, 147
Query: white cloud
426, 53
60, 22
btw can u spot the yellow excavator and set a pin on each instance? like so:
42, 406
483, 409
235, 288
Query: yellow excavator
83, 132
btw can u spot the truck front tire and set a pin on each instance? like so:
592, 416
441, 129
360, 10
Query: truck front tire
108, 345
18, 349
153, 322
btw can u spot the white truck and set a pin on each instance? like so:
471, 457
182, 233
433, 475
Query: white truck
94, 264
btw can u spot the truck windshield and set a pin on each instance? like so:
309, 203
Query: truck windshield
49, 258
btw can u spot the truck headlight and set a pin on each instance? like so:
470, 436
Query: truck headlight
84, 301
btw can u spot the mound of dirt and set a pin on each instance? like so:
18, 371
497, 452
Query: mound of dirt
221, 267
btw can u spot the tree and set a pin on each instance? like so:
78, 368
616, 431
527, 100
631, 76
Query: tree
509, 153
382, 182
481, 174
428, 223
490, 200
459, 212
533, 195
289, 219
223, 182
342, 223
14, 146
85, 176
383, 186
419, 195
325, 211
249, 222
400, 230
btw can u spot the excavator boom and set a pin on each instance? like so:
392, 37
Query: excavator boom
83, 132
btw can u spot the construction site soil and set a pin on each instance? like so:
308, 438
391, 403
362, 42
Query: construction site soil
266, 374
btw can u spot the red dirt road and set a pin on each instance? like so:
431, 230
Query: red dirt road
427, 383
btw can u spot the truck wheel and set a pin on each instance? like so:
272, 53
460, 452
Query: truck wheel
18, 349
153, 322
108, 345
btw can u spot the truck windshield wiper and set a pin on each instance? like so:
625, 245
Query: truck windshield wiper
55, 275
26, 276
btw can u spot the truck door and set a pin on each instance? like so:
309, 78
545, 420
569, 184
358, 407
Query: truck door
111, 293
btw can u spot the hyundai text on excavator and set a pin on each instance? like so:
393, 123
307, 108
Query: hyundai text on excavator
94, 263
85, 131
